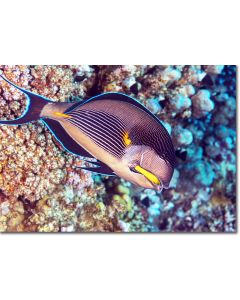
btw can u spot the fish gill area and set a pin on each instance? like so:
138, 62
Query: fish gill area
42, 190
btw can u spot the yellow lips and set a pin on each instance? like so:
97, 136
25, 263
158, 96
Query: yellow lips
148, 175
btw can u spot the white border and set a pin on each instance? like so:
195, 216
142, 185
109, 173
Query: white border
107, 266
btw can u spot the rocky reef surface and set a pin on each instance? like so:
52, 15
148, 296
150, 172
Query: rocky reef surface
42, 190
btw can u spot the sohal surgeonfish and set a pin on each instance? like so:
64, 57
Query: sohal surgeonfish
126, 138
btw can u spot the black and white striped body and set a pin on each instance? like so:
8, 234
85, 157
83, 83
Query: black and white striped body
104, 129
99, 126
107, 121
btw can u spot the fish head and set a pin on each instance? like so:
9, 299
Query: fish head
147, 168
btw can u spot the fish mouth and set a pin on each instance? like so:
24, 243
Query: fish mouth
158, 187
161, 187
151, 186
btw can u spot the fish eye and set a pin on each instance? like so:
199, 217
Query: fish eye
133, 170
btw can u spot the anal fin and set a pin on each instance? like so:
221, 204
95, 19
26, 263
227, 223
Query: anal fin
101, 169
73, 147
65, 139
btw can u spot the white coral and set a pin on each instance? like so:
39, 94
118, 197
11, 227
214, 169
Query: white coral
182, 136
202, 104
187, 90
170, 74
179, 103
214, 69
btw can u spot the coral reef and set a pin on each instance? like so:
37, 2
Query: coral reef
43, 190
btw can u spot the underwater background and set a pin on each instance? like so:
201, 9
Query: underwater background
41, 190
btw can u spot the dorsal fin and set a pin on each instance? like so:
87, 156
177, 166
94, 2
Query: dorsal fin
114, 96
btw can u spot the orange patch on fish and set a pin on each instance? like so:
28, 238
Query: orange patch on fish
126, 139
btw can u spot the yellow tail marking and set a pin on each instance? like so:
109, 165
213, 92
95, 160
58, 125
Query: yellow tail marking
126, 139
62, 115
151, 177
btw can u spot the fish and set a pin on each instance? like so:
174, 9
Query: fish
121, 134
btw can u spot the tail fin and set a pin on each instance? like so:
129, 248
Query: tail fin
35, 104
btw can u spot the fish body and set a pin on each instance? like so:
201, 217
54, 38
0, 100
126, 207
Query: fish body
126, 139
